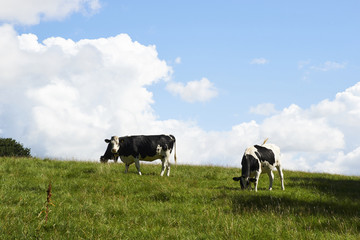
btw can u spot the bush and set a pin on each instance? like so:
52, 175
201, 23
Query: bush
10, 148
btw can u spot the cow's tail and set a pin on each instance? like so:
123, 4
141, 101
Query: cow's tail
175, 158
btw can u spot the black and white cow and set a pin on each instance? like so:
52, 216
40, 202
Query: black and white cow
257, 159
132, 149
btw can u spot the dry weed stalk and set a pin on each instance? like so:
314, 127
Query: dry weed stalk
47, 203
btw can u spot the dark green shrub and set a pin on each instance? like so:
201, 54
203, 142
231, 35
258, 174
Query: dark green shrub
10, 148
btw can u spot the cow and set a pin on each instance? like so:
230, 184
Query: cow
257, 159
132, 149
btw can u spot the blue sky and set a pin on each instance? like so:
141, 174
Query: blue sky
237, 71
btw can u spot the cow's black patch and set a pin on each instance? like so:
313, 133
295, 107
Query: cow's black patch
143, 146
249, 164
236, 178
265, 154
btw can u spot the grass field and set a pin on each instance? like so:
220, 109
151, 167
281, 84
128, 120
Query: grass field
98, 201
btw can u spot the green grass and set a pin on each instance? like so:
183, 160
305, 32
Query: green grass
99, 201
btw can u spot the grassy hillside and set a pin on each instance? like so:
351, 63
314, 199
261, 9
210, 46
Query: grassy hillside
99, 201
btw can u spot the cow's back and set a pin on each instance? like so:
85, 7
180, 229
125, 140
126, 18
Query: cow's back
144, 146
275, 151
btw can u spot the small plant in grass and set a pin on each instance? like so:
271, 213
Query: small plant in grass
47, 203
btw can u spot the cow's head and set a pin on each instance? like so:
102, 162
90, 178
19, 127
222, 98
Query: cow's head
244, 181
103, 159
114, 143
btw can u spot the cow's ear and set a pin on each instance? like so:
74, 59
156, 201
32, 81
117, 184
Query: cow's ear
252, 179
236, 178
107, 140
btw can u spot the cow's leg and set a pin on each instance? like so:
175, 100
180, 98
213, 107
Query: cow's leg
271, 179
167, 164
127, 165
281, 177
137, 164
162, 166
257, 176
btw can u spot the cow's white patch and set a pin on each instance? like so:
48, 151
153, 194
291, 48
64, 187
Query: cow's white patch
158, 149
267, 167
115, 144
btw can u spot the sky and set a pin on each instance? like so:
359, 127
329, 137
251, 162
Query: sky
218, 75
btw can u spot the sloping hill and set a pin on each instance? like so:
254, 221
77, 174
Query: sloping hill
98, 201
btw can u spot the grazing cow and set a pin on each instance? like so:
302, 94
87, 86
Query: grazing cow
257, 159
132, 149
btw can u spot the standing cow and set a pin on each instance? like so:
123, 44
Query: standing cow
132, 149
257, 159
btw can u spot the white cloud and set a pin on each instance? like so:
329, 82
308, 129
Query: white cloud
328, 66
31, 12
265, 109
297, 130
344, 113
62, 97
323, 138
194, 91
259, 61
303, 64
323, 67
307, 67
178, 60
